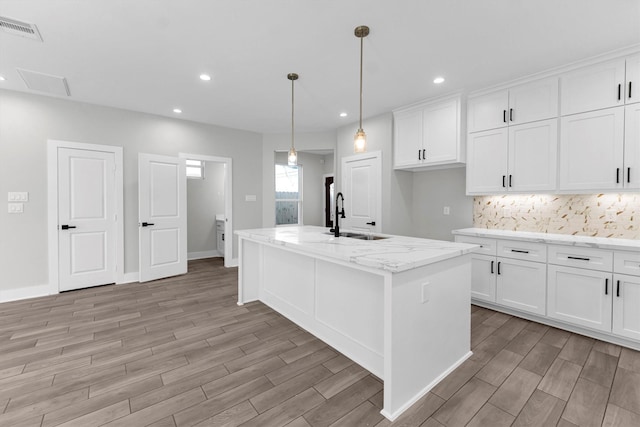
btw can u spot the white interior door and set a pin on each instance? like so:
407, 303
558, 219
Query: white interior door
86, 218
361, 186
162, 216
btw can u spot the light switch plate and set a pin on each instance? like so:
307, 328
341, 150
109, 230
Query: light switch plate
18, 196
16, 208
610, 215
250, 198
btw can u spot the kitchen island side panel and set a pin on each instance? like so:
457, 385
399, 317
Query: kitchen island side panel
428, 330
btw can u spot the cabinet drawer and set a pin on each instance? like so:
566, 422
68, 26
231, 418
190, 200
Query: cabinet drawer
593, 259
626, 263
487, 246
527, 251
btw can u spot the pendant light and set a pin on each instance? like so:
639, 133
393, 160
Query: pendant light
292, 158
360, 140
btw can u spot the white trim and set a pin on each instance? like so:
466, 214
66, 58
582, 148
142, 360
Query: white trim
52, 205
557, 71
203, 254
130, 277
24, 293
425, 390
228, 199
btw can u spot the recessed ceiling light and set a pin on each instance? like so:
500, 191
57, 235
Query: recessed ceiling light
343, 114
438, 80
205, 77
177, 110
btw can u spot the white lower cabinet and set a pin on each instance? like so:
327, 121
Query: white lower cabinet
483, 278
626, 306
521, 285
580, 296
590, 290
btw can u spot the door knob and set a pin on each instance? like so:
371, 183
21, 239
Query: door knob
66, 227
371, 223
146, 224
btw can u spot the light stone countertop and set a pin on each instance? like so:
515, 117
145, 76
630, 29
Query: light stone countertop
557, 239
394, 254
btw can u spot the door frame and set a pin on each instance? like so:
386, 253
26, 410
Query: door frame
377, 155
229, 261
52, 206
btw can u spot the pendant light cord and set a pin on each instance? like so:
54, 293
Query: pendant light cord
292, 112
361, 48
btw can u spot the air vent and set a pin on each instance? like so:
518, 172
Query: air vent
19, 28
53, 85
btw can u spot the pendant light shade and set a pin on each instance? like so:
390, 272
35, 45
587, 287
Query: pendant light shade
360, 140
292, 158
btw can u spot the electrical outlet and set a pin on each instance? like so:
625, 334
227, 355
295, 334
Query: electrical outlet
16, 208
506, 212
446, 210
610, 215
426, 292
18, 196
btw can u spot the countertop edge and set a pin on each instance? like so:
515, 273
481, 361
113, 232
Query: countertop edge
556, 239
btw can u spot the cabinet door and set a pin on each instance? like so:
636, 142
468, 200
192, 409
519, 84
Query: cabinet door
578, 296
632, 146
521, 285
533, 149
488, 111
441, 133
592, 88
483, 278
487, 161
626, 304
533, 101
591, 150
632, 88
407, 138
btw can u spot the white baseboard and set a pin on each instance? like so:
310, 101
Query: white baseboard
130, 278
24, 293
204, 254
232, 263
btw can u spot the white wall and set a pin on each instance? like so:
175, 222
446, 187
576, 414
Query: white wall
205, 199
432, 191
28, 121
272, 143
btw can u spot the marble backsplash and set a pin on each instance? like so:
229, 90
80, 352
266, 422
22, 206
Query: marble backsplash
577, 214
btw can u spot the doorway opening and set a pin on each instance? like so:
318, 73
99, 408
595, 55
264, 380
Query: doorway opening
209, 207
328, 200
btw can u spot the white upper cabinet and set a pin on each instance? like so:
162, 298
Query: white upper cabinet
591, 150
515, 159
593, 88
487, 161
632, 87
632, 146
428, 135
525, 103
533, 101
533, 152
488, 111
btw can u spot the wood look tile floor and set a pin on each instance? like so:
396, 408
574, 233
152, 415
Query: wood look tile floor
180, 352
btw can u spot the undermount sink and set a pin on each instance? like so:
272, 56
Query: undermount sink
361, 236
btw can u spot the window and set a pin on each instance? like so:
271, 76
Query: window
195, 169
288, 194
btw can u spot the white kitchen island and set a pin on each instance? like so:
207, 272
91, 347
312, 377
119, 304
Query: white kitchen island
399, 306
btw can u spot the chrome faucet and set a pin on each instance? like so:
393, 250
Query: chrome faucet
339, 214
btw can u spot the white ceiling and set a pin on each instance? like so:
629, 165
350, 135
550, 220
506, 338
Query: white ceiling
146, 55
